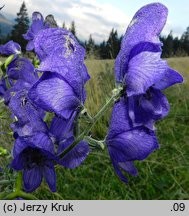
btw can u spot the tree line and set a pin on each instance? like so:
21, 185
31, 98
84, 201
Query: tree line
107, 49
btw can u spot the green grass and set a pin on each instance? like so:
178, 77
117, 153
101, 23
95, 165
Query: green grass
163, 175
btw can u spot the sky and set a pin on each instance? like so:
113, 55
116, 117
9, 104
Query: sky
98, 17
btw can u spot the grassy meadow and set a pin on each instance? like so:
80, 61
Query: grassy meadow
163, 175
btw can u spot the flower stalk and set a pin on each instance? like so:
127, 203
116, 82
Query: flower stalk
115, 96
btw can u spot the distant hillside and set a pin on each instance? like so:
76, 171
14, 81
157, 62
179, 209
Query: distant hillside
5, 25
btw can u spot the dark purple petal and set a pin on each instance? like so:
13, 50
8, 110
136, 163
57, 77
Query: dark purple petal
30, 46
125, 166
118, 172
120, 121
19, 145
3, 87
73, 74
32, 178
10, 48
170, 78
129, 167
62, 128
22, 69
42, 141
135, 144
52, 93
37, 142
145, 26
144, 47
148, 108
18, 162
76, 156
144, 70
19, 86
22, 129
25, 111
50, 177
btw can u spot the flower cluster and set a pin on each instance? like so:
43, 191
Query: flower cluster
46, 101
56, 86
143, 74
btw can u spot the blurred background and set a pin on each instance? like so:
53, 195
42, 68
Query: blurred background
99, 26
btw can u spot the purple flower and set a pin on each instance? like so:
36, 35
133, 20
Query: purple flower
127, 143
139, 66
61, 87
139, 62
61, 131
36, 26
35, 156
10, 48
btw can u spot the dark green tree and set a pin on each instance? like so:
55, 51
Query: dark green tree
21, 26
113, 44
103, 50
73, 28
90, 47
64, 25
185, 41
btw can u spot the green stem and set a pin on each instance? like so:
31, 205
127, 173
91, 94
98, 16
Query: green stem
18, 190
8, 61
116, 95
18, 184
4, 182
20, 194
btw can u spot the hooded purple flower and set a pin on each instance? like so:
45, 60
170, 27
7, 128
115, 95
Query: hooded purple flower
36, 26
127, 143
10, 48
140, 67
139, 62
35, 156
61, 87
